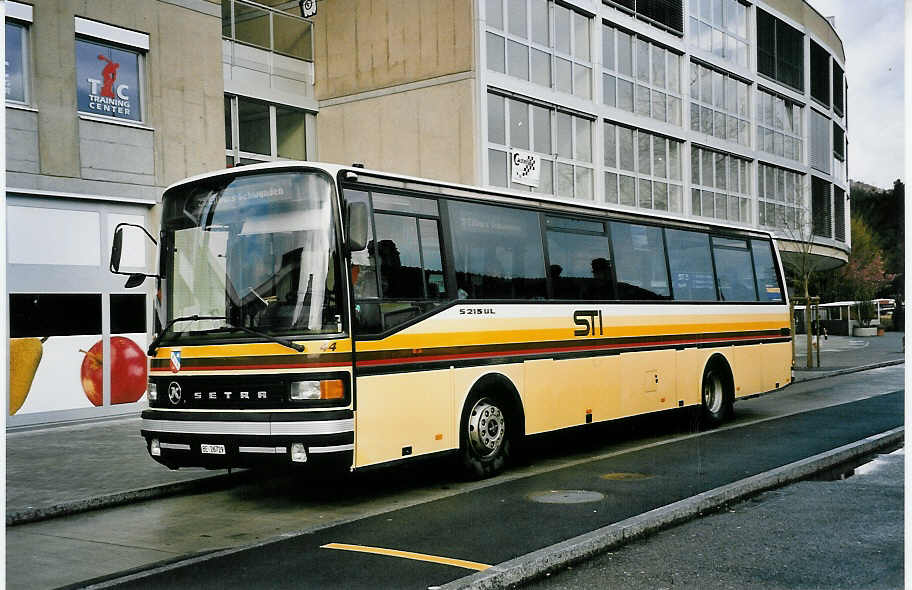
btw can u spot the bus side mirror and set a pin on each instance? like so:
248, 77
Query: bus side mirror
116, 247
357, 226
135, 278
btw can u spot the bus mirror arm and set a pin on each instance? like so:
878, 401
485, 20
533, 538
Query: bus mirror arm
135, 278
357, 226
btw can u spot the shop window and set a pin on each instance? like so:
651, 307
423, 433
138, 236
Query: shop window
128, 314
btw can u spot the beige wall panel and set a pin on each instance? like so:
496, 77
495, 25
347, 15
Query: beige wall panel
423, 132
405, 410
366, 45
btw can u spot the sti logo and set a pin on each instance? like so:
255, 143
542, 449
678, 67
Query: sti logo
175, 361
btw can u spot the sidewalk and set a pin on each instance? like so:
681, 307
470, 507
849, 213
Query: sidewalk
839, 354
62, 470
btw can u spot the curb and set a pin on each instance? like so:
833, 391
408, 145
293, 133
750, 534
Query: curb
207, 483
534, 565
846, 371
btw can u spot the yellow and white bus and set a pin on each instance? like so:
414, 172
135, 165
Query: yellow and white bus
310, 312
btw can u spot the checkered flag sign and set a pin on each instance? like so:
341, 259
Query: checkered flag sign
308, 8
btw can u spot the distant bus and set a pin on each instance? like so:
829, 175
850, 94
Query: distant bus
312, 313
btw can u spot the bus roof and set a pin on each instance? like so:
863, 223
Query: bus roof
484, 193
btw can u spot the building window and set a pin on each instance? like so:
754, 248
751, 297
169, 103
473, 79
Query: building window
821, 154
642, 169
640, 77
563, 143
719, 105
839, 213
720, 28
270, 29
108, 80
16, 62
838, 142
821, 208
820, 74
257, 131
720, 184
780, 51
540, 41
665, 14
838, 90
780, 127
780, 195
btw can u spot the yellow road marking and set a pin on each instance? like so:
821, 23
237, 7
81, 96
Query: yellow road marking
472, 565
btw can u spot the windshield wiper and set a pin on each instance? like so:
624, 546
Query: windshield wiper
193, 318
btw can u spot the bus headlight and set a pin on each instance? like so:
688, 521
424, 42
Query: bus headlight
314, 390
153, 391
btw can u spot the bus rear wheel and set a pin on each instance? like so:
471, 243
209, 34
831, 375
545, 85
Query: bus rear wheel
484, 444
717, 401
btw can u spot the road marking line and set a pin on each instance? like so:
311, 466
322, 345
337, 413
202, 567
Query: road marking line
472, 565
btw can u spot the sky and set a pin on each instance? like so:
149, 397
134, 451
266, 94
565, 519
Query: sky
873, 37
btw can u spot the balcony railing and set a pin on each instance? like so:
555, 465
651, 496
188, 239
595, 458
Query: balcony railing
267, 28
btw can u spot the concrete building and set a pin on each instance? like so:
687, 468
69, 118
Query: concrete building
723, 110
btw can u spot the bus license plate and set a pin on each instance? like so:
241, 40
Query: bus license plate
212, 449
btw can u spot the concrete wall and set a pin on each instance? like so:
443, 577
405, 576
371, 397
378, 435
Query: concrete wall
183, 130
426, 131
363, 45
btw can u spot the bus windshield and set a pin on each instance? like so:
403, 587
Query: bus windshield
256, 251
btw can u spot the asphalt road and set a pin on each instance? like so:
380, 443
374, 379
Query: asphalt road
497, 523
837, 533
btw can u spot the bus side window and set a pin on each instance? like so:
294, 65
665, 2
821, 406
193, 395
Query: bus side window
765, 269
497, 252
639, 258
734, 269
580, 266
690, 262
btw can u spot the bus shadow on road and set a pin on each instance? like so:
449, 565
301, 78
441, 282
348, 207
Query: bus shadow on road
440, 475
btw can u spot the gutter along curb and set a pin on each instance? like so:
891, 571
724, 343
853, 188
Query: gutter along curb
531, 566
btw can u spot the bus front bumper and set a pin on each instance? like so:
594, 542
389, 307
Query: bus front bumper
210, 439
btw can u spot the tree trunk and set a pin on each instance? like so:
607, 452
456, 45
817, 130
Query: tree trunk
807, 321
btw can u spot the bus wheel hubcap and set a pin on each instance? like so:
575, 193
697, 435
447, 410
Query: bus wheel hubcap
486, 428
712, 393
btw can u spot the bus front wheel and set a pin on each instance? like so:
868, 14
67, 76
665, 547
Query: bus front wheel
717, 401
484, 444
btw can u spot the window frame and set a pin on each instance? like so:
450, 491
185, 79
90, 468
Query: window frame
781, 34
554, 53
791, 209
701, 105
550, 160
140, 53
820, 74
271, 14
744, 167
234, 156
637, 175
698, 22
674, 97
24, 27
766, 126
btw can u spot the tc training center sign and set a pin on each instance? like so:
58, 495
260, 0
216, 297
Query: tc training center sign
107, 80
